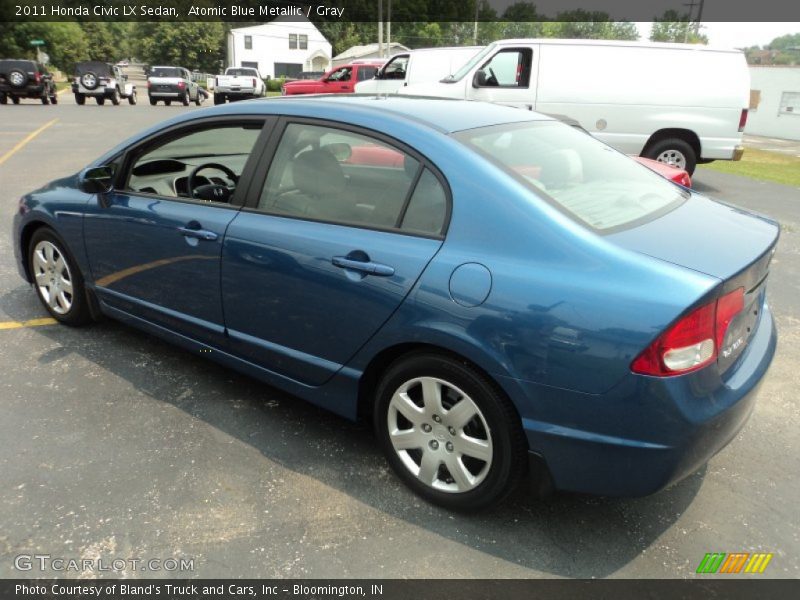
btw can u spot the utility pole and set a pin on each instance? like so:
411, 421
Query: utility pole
389, 29
380, 28
699, 18
691, 6
475, 24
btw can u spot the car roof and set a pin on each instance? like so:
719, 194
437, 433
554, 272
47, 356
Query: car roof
441, 114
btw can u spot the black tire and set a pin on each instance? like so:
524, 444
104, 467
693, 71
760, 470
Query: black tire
15, 99
185, 99
219, 98
77, 313
54, 96
495, 423
198, 100
115, 97
167, 102
673, 151
3, 99
153, 101
132, 99
80, 99
45, 100
17, 78
100, 100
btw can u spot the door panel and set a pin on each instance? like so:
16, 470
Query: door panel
512, 80
290, 309
144, 264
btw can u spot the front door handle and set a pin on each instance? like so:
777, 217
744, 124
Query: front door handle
370, 268
200, 234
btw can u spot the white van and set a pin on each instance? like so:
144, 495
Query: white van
676, 103
416, 66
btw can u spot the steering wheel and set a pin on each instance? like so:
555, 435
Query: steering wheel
211, 191
492, 79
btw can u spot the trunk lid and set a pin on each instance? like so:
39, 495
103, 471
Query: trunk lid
725, 242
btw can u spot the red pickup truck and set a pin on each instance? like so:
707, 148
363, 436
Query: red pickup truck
341, 80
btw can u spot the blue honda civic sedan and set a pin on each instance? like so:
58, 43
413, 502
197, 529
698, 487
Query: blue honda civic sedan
501, 294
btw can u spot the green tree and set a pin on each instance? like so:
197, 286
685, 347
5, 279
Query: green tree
193, 45
581, 24
65, 43
674, 27
785, 42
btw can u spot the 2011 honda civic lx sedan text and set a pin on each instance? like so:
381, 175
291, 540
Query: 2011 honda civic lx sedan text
499, 293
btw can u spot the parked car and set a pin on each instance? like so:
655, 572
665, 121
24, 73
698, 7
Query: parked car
499, 294
341, 80
26, 79
173, 83
101, 81
238, 83
415, 67
614, 89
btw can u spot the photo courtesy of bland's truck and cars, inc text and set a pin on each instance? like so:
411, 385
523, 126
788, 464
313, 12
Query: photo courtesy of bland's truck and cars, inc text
352, 298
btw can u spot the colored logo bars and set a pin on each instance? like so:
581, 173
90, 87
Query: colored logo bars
735, 562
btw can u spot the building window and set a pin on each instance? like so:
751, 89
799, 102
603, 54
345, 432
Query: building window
303, 42
288, 70
292, 41
790, 103
248, 42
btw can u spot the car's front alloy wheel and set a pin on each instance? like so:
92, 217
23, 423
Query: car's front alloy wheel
57, 280
448, 432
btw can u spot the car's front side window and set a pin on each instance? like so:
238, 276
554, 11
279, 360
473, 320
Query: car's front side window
334, 175
201, 163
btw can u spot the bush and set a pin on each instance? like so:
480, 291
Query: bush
274, 85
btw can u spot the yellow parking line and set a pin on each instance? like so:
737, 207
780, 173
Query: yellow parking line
31, 323
27, 139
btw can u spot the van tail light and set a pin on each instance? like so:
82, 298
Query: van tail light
181, 85
254, 82
742, 120
693, 341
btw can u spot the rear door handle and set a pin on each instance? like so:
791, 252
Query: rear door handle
200, 234
370, 268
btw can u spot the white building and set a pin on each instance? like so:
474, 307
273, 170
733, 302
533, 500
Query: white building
368, 51
776, 96
283, 47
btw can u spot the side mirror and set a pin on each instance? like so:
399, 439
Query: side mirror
97, 180
479, 80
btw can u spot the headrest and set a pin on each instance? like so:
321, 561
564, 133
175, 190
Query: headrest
318, 173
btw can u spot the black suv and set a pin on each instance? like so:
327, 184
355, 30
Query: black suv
26, 79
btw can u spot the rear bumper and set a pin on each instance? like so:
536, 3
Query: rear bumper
175, 94
655, 431
29, 91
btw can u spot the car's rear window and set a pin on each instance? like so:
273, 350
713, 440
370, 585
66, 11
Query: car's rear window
584, 177
23, 65
241, 72
97, 68
166, 72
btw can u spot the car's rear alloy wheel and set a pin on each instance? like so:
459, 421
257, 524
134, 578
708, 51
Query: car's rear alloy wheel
448, 432
57, 279
80, 99
115, 97
132, 98
185, 99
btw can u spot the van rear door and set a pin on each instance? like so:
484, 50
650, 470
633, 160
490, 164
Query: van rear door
507, 77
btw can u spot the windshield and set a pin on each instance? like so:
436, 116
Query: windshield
589, 180
468, 66
166, 72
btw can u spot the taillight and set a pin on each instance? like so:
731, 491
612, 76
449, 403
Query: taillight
686, 181
743, 119
181, 85
37, 77
254, 82
693, 342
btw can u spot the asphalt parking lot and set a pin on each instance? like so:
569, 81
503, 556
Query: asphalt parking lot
116, 445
